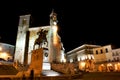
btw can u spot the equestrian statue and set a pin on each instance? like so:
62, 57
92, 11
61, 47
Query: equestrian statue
42, 39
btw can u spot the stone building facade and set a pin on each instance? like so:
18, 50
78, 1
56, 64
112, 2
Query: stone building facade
28, 39
95, 58
103, 54
81, 53
116, 54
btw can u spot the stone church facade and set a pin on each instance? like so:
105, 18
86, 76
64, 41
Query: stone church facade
27, 37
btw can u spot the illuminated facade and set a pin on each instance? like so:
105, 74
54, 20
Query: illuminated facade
55, 46
87, 51
32, 45
94, 58
103, 54
28, 39
116, 54
81, 53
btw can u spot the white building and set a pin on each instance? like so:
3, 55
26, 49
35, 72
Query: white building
88, 51
81, 53
116, 54
103, 53
95, 58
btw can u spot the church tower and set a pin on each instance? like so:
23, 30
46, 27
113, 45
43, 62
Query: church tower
20, 49
54, 40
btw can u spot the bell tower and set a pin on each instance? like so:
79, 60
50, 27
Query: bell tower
20, 48
54, 40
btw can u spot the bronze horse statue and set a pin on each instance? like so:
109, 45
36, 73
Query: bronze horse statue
41, 38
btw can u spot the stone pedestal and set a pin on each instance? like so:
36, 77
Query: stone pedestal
46, 63
37, 61
46, 66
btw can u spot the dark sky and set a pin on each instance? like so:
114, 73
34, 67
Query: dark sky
80, 22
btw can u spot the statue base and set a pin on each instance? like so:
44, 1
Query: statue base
36, 61
46, 66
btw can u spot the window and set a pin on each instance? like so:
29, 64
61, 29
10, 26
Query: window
109, 60
117, 54
24, 22
117, 58
113, 54
114, 59
106, 50
96, 52
101, 51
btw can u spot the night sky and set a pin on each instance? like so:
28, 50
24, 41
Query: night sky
79, 22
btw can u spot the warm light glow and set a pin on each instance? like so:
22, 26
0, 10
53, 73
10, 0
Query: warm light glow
54, 34
0, 48
63, 60
116, 68
109, 64
82, 64
119, 64
4, 55
102, 64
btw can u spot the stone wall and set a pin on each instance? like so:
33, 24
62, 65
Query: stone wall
66, 68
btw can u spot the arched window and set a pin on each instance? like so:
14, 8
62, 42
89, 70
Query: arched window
114, 59
101, 51
96, 51
118, 59
106, 50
